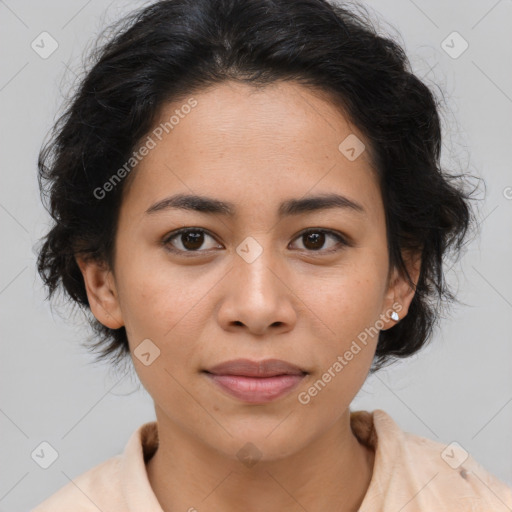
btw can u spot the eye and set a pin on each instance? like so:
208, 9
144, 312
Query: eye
314, 239
190, 240
187, 240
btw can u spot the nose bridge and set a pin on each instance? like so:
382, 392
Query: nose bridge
255, 297
256, 258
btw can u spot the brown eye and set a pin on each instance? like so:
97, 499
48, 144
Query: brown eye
187, 240
192, 240
315, 239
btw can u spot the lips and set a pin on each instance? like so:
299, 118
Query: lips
256, 382
262, 369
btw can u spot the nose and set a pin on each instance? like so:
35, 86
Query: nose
258, 297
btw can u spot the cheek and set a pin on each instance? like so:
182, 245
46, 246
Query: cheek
349, 307
350, 300
161, 306
168, 305
349, 304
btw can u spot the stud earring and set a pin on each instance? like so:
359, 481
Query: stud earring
394, 316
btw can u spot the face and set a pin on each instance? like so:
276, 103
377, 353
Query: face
272, 279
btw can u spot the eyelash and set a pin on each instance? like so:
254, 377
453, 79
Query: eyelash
341, 240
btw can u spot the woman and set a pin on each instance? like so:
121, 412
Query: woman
248, 197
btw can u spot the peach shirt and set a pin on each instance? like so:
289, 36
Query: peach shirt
411, 473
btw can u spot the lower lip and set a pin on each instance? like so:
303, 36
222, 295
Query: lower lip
257, 389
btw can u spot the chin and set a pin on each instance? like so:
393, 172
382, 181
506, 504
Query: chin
264, 441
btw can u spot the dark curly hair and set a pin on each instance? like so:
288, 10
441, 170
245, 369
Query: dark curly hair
167, 50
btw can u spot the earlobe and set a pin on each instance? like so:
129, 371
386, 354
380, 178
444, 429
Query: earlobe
400, 293
101, 292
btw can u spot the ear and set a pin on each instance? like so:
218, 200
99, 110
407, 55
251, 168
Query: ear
399, 293
101, 292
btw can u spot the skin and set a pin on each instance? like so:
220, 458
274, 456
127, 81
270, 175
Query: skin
254, 148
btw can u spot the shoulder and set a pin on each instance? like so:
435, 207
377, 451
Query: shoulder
113, 485
417, 473
455, 474
94, 490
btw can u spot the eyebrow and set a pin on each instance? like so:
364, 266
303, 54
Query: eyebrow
287, 208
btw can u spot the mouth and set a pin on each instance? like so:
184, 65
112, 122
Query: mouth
256, 381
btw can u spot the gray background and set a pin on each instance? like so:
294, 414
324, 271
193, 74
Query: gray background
458, 389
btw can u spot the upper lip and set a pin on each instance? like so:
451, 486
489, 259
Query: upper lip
249, 368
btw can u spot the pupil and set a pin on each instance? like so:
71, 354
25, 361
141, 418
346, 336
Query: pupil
317, 240
192, 240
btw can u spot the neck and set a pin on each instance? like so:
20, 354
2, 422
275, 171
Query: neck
333, 472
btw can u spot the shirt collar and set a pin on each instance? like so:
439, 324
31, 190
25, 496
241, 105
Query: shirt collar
143, 443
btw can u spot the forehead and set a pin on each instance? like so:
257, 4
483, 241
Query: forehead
253, 143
